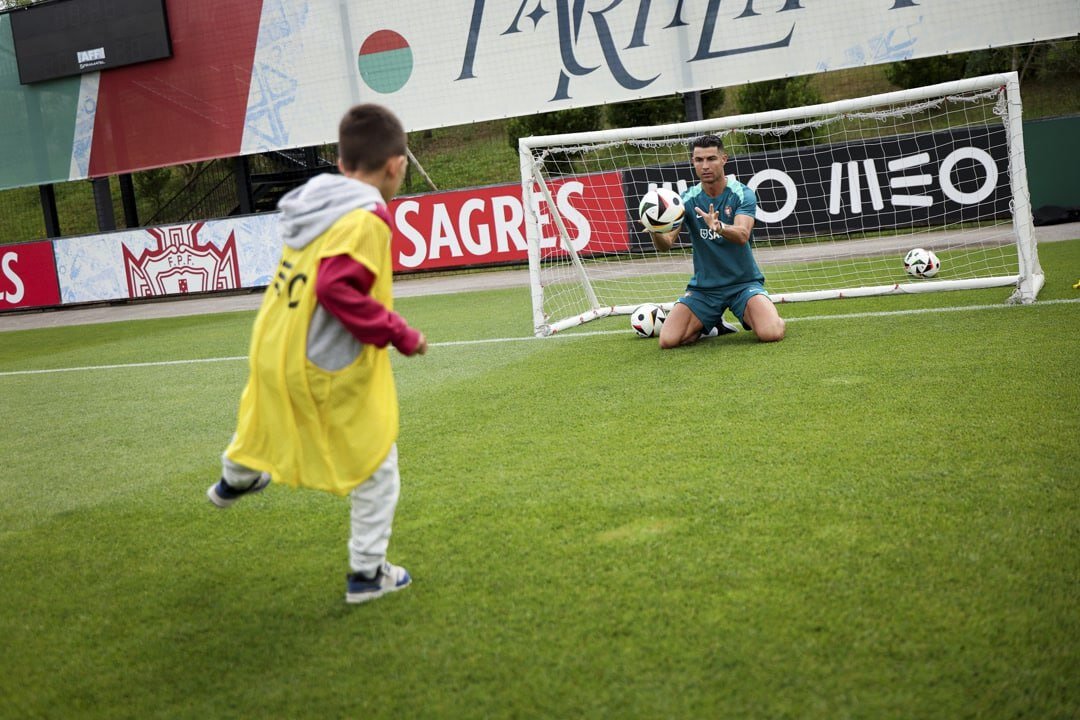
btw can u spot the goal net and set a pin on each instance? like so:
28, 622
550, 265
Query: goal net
844, 190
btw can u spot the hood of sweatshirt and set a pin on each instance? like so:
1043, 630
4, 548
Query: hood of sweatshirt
309, 210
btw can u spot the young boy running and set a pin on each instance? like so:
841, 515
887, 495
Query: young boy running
320, 408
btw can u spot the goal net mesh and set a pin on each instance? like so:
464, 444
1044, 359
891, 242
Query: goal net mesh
843, 190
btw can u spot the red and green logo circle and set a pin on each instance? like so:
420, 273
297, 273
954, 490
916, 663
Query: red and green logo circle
385, 61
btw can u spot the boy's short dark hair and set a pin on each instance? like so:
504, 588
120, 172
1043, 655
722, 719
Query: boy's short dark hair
707, 141
368, 136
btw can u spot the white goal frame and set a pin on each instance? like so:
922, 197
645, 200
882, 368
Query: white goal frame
535, 189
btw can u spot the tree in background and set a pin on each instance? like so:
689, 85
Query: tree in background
926, 71
634, 113
1059, 59
1043, 60
553, 123
661, 110
778, 95
582, 119
153, 186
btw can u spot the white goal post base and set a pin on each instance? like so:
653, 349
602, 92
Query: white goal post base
914, 288
911, 288
843, 190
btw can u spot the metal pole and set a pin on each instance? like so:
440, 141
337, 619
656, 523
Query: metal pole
413, 162
48, 208
127, 198
244, 193
692, 104
103, 204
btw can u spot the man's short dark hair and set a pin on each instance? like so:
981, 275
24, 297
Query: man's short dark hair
368, 136
707, 141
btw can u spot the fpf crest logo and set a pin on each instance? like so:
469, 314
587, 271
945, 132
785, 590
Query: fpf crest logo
181, 264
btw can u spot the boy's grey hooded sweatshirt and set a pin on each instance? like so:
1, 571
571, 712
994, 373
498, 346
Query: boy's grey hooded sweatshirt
306, 213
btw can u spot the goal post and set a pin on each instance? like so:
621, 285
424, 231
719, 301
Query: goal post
844, 190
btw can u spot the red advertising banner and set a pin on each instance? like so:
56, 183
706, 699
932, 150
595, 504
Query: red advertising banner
444, 230
193, 105
486, 225
28, 276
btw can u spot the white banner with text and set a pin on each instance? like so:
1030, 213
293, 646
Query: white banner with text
463, 61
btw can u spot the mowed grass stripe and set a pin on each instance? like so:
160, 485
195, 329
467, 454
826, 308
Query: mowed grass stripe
580, 334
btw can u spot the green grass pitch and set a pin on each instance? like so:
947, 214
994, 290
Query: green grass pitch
876, 518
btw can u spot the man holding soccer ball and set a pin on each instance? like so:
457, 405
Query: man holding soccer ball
721, 227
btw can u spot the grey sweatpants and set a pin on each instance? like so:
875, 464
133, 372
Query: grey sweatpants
371, 515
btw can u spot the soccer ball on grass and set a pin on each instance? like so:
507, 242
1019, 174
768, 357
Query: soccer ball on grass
661, 210
921, 263
647, 320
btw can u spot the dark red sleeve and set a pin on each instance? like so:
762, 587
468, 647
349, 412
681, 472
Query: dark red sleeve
343, 287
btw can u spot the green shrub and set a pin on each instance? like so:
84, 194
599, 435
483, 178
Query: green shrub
926, 71
154, 187
553, 123
644, 113
778, 95
985, 62
1061, 60
712, 102
661, 110
1042, 61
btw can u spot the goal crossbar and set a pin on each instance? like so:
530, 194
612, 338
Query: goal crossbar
835, 107
844, 189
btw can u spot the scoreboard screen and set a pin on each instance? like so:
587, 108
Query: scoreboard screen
59, 38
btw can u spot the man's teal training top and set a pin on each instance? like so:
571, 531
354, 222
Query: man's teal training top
717, 262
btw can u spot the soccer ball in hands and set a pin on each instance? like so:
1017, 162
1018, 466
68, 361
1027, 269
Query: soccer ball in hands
661, 210
921, 263
647, 320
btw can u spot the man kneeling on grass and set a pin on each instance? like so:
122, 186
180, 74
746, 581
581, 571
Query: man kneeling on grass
720, 214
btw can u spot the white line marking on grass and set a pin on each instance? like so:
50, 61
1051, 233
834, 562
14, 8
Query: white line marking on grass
122, 366
564, 336
586, 333
924, 311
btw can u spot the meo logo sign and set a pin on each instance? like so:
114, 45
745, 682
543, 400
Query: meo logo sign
958, 176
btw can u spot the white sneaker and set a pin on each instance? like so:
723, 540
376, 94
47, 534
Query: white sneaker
388, 579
